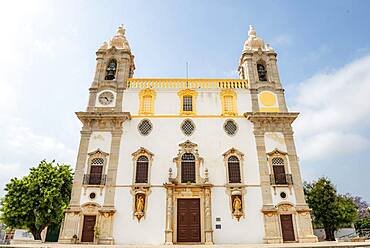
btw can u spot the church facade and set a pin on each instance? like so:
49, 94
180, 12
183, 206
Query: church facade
186, 161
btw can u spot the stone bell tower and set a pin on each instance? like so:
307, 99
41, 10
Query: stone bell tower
271, 122
258, 65
96, 166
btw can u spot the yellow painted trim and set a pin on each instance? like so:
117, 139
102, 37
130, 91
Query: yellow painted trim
193, 94
182, 116
276, 109
228, 93
146, 93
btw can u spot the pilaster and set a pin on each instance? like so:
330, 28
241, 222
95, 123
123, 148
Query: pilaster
296, 174
112, 169
92, 99
80, 165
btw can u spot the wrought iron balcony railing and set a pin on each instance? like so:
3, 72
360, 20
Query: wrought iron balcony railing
183, 83
94, 179
281, 179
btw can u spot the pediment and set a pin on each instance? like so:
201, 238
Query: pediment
142, 151
98, 152
276, 151
233, 151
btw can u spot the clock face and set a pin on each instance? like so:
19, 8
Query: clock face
106, 97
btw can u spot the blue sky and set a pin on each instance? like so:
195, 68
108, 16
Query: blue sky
48, 61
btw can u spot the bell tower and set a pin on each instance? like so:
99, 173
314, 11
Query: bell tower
114, 65
273, 131
258, 65
102, 122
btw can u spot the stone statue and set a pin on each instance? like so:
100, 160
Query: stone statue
140, 204
237, 207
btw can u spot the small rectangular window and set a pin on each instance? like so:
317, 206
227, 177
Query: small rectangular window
228, 103
187, 103
147, 104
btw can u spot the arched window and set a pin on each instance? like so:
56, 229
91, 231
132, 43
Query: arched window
142, 165
111, 70
96, 171
188, 168
279, 170
262, 73
234, 169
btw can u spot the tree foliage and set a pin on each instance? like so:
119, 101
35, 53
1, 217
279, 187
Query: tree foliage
38, 199
330, 210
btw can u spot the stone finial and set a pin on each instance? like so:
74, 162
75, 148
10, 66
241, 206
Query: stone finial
255, 43
252, 31
120, 31
118, 41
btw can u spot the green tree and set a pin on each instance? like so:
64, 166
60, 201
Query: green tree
38, 199
330, 210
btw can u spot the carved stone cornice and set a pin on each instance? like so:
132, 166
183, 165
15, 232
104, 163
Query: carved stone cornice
103, 121
271, 121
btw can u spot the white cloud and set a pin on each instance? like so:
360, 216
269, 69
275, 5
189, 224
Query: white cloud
23, 148
335, 112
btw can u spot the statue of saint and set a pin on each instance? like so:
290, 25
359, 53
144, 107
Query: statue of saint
237, 205
140, 204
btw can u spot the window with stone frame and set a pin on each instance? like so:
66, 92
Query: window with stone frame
142, 168
233, 164
96, 171
278, 167
233, 160
147, 97
188, 168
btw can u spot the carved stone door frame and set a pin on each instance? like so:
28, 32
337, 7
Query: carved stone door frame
201, 192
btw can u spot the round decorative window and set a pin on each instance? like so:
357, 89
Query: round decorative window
92, 195
145, 127
188, 127
283, 195
230, 127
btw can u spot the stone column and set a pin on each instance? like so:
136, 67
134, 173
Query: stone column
254, 99
263, 168
112, 169
304, 224
79, 171
281, 100
208, 217
294, 167
169, 216
119, 99
92, 99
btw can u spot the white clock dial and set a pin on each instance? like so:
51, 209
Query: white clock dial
106, 97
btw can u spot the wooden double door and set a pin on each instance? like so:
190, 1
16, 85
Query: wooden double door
88, 228
287, 227
188, 220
